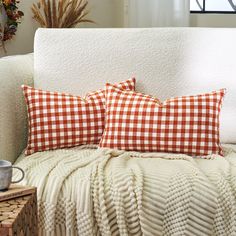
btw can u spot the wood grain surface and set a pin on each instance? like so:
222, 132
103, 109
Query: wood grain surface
16, 191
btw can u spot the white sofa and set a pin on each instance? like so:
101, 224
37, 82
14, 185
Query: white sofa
166, 63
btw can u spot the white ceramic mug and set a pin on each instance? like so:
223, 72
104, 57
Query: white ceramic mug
6, 174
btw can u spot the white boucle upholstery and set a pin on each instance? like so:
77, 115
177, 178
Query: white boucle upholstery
14, 71
166, 62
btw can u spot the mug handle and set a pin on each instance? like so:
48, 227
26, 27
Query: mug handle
23, 175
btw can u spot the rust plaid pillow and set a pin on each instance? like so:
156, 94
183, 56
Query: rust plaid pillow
58, 120
138, 122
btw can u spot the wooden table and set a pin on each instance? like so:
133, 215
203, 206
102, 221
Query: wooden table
18, 211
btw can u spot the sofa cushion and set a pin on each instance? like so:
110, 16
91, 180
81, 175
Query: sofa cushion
137, 122
59, 120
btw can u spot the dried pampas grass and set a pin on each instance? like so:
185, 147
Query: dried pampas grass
60, 13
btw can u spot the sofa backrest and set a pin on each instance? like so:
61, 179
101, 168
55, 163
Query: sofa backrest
166, 62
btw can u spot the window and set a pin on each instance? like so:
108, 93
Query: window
213, 6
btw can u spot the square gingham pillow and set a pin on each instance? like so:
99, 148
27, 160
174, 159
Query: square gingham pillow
138, 122
58, 120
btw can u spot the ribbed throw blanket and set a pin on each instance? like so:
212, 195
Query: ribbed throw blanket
107, 192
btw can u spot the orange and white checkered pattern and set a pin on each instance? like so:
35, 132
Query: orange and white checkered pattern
58, 120
138, 122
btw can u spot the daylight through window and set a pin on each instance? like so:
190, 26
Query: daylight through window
212, 6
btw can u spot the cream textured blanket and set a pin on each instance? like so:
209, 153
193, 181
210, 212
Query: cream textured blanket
106, 192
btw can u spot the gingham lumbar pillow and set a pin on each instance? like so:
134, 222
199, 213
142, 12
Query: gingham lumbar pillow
138, 122
58, 120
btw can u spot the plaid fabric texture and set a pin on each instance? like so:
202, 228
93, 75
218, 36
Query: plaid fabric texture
58, 120
137, 122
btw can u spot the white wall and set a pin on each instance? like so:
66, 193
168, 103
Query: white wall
106, 13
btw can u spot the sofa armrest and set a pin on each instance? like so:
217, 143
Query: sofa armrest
14, 71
